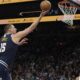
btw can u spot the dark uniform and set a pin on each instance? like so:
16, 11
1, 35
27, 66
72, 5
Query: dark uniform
8, 51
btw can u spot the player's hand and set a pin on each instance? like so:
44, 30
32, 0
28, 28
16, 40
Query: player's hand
44, 13
23, 41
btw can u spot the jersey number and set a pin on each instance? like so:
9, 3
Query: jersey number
2, 47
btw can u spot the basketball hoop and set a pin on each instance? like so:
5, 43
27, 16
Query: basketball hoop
69, 11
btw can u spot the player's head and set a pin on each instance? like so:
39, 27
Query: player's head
10, 29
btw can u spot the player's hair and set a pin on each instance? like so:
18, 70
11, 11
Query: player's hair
7, 27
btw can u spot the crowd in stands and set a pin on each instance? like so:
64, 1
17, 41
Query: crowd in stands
47, 67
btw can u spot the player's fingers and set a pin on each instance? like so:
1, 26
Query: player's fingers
25, 42
25, 39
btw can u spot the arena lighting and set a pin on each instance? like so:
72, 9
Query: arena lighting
32, 19
14, 1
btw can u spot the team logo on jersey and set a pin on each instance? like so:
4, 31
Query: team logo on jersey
4, 39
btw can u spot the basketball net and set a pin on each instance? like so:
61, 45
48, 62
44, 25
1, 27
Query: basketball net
69, 12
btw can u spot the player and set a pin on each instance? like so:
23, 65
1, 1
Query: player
9, 44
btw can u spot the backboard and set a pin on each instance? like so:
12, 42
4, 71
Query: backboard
77, 2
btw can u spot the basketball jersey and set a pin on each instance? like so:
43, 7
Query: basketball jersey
8, 49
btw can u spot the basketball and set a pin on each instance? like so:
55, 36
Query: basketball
45, 5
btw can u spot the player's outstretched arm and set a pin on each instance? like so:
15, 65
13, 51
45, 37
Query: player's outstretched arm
28, 30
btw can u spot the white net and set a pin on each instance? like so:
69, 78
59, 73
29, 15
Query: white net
68, 11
